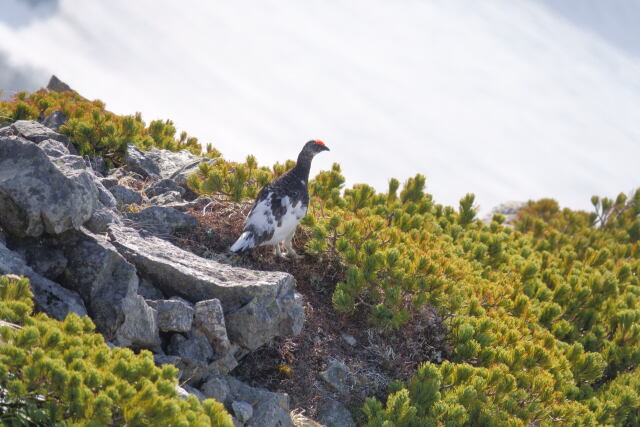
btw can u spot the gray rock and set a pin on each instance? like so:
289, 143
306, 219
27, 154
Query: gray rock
140, 326
349, 339
332, 413
194, 347
223, 365
125, 195
35, 132
194, 391
54, 120
137, 161
269, 409
100, 275
163, 186
258, 305
162, 220
209, 320
49, 296
216, 388
508, 209
338, 376
37, 196
168, 198
148, 291
57, 85
242, 410
44, 258
156, 163
173, 315
256, 322
109, 181
97, 164
188, 370
101, 219
53, 148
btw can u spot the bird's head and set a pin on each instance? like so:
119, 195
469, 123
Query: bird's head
314, 146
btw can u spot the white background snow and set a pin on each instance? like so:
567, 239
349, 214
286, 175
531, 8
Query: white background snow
508, 99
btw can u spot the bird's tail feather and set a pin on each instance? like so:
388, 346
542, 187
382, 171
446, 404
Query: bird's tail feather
245, 242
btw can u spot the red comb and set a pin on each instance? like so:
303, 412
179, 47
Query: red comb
319, 142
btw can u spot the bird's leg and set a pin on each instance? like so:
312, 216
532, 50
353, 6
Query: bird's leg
277, 252
289, 246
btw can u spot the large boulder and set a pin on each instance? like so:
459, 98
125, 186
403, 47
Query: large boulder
163, 164
37, 196
49, 296
258, 305
108, 285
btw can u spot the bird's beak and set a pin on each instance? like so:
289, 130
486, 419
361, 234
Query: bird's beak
325, 148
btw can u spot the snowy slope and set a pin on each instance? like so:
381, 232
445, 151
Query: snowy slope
506, 99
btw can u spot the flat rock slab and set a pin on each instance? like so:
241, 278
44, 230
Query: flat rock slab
257, 305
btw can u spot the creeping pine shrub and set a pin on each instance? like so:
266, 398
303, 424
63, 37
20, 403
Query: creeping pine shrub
235, 181
96, 131
543, 316
63, 373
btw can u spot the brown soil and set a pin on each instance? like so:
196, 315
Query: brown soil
292, 364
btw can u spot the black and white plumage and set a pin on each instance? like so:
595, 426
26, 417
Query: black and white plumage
280, 206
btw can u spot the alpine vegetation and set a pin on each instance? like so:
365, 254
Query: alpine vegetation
540, 314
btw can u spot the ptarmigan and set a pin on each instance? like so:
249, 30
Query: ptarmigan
280, 206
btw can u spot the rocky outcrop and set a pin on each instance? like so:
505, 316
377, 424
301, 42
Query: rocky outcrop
258, 305
57, 85
60, 227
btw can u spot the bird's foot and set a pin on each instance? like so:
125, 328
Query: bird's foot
278, 252
292, 253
